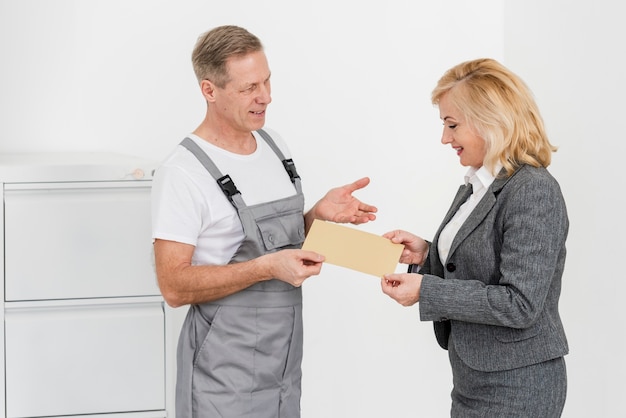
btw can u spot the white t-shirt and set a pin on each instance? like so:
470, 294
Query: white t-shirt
188, 206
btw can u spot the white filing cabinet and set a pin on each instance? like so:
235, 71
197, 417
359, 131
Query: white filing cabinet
84, 323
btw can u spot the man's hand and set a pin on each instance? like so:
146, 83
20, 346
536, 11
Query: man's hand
338, 205
293, 266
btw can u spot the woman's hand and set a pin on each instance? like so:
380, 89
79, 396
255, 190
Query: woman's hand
415, 248
404, 288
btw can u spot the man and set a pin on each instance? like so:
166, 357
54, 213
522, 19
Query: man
228, 225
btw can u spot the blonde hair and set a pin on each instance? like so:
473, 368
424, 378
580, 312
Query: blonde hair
215, 47
501, 109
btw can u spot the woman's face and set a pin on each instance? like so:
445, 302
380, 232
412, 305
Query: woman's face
470, 147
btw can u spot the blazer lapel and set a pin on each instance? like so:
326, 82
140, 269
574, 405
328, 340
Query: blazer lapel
462, 195
480, 211
475, 218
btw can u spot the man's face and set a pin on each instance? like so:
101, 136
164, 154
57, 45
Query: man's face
243, 101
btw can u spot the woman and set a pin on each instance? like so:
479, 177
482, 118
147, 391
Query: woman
491, 278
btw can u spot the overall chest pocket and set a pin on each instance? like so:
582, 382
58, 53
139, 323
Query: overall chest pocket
280, 231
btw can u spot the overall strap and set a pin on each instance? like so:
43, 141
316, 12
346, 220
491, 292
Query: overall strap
287, 163
224, 181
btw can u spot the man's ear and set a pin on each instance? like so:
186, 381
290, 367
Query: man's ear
208, 90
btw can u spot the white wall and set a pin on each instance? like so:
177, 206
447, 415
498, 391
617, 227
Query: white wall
351, 86
572, 55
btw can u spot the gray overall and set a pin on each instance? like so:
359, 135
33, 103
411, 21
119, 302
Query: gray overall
240, 356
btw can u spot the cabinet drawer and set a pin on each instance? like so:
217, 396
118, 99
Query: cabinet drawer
70, 360
85, 240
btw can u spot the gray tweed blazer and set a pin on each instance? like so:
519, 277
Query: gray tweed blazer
496, 298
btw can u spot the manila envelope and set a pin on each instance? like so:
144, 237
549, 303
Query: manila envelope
357, 250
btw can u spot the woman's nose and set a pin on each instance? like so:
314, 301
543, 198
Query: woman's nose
446, 138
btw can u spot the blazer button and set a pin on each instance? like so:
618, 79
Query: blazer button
450, 267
